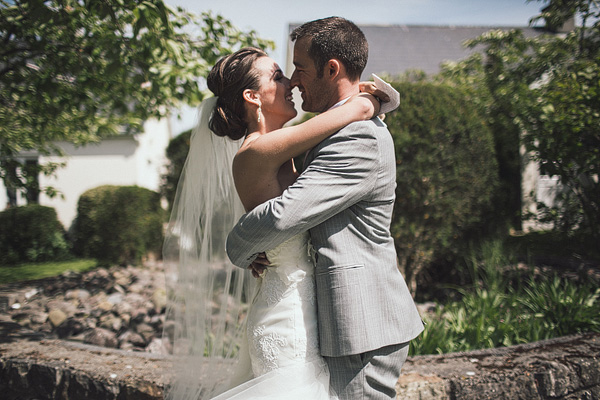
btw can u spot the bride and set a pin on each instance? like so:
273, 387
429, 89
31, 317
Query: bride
242, 337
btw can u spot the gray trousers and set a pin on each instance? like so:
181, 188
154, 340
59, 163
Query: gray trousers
370, 375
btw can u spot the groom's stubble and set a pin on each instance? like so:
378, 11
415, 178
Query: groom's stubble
318, 93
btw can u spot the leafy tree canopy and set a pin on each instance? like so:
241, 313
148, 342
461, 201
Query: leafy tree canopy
548, 88
80, 70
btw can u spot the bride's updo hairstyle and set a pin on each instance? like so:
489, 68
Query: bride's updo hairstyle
228, 79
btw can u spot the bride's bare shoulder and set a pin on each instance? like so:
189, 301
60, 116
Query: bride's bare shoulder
243, 157
255, 179
246, 163
248, 156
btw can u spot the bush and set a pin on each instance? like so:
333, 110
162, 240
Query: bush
177, 152
446, 174
507, 305
31, 233
118, 224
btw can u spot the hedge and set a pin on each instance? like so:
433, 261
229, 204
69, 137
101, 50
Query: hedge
446, 174
118, 224
31, 233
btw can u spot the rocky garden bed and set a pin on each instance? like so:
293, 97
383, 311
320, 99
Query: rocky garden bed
50, 330
121, 308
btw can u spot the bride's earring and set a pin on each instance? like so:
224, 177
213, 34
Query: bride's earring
259, 114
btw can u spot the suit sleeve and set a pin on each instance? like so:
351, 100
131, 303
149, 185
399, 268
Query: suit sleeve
342, 172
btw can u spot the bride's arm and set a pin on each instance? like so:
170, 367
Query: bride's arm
281, 145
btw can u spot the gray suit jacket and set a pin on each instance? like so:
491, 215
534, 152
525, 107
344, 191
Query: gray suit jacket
345, 198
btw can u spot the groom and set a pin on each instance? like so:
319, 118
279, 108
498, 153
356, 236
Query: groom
345, 198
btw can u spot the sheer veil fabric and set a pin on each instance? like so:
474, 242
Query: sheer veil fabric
205, 313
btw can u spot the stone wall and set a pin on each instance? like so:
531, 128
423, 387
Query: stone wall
51, 331
565, 368
54, 369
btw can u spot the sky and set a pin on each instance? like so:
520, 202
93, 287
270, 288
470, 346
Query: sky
271, 18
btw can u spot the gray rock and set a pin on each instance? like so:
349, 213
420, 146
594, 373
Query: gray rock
126, 318
77, 294
159, 298
132, 337
122, 278
105, 306
139, 315
126, 346
115, 298
101, 337
135, 299
66, 307
158, 346
111, 322
57, 317
124, 308
38, 317
147, 331
135, 288
72, 326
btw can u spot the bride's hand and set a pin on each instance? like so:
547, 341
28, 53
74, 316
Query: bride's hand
371, 88
259, 265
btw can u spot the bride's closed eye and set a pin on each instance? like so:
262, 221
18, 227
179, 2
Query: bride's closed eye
278, 75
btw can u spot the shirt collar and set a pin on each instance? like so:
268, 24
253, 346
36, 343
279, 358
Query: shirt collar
339, 103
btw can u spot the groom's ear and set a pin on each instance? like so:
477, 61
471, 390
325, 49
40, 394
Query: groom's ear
251, 96
333, 68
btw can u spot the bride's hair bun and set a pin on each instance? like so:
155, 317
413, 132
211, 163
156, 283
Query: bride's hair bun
228, 79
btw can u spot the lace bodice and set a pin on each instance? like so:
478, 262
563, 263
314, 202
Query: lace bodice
282, 321
293, 259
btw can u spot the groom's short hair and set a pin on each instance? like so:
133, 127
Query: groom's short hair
335, 38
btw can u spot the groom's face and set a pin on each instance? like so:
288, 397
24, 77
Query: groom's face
314, 90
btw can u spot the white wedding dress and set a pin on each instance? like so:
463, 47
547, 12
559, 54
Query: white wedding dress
282, 358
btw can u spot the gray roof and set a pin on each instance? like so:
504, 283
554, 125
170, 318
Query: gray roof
394, 49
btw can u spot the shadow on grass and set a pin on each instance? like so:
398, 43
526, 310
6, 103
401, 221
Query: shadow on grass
12, 331
556, 250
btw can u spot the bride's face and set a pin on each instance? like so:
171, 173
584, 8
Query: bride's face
275, 92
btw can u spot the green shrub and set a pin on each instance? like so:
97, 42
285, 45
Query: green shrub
446, 174
118, 224
507, 305
176, 153
31, 233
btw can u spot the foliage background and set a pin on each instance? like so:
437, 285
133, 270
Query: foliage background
446, 174
31, 233
78, 71
118, 224
177, 152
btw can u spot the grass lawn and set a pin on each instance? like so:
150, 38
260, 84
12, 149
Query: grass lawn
25, 272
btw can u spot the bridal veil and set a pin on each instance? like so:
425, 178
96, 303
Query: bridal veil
206, 292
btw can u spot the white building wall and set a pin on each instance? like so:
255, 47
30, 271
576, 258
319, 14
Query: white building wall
110, 162
150, 155
123, 160
3, 196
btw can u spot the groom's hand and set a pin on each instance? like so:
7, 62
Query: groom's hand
259, 265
